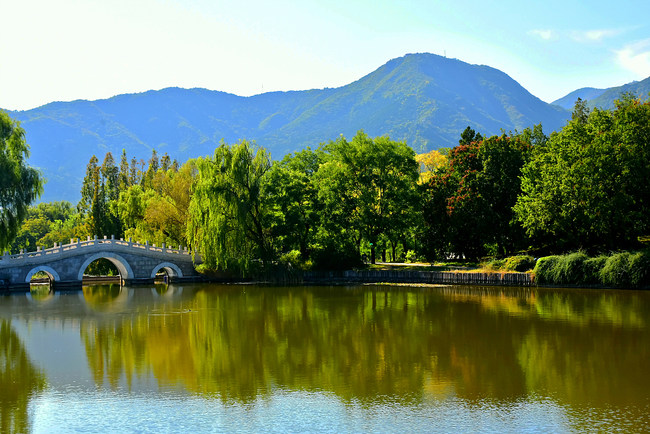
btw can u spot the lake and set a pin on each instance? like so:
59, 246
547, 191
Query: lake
248, 358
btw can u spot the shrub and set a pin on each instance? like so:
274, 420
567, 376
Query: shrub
571, 268
592, 268
546, 269
519, 263
494, 264
293, 259
616, 271
639, 270
411, 256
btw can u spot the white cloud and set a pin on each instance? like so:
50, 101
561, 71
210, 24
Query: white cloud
636, 58
595, 35
545, 34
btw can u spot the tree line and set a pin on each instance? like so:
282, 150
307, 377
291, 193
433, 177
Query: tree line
349, 201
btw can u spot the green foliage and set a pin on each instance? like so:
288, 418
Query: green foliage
546, 270
519, 263
411, 256
368, 189
228, 214
592, 267
293, 260
468, 202
624, 269
583, 189
640, 269
20, 184
293, 200
46, 224
616, 271
572, 267
561, 270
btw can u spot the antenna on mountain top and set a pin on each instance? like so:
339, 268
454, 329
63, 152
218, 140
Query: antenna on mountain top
445, 53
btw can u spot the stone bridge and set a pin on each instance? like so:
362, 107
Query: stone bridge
66, 264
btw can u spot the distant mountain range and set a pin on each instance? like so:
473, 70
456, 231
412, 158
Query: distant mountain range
424, 99
604, 98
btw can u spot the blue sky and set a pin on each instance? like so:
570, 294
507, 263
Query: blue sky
88, 49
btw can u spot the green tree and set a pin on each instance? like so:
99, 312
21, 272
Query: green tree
228, 214
580, 112
159, 214
20, 184
293, 200
468, 203
366, 185
586, 187
124, 179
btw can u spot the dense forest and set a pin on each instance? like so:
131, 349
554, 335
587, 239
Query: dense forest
583, 188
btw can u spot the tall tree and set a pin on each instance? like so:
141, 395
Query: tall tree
586, 188
368, 183
124, 180
227, 213
20, 184
293, 200
469, 202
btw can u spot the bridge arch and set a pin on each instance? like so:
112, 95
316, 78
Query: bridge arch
54, 276
172, 269
122, 265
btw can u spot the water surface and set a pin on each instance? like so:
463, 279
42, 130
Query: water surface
360, 358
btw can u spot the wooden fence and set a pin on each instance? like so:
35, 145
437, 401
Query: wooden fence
431, 277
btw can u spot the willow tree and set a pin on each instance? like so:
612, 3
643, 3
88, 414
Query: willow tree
227, 213
20, 184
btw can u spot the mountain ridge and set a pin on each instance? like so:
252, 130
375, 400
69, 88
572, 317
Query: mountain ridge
424, 99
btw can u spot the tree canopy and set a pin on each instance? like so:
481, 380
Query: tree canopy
20, 184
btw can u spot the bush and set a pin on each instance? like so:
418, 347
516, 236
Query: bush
616, 271
592, 268
640, 269
494, 264
546, 270
519, 263
293, 259
571, 268
411, 256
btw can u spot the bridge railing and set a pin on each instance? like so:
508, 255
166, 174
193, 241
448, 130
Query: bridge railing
80, 244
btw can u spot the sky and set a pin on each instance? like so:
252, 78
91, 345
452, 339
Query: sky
91, 49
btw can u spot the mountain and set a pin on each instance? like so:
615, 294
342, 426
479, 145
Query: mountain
424, 99
604, 98
607, 98
586, 93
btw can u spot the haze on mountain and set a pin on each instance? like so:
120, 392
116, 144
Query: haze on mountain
424, 99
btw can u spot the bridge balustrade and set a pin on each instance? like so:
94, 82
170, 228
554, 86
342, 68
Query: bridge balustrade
92, 242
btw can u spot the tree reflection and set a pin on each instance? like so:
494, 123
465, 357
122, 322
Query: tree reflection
19, 381
407, 345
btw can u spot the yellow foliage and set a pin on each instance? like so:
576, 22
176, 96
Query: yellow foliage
429, 163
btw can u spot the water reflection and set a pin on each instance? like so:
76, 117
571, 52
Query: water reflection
20, 381
105, 298
585, 351
361, 343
